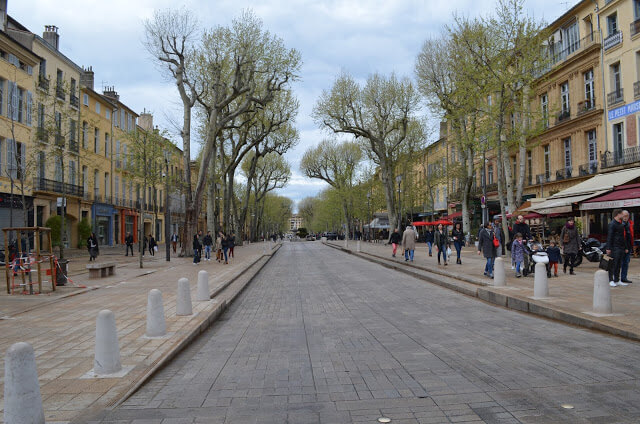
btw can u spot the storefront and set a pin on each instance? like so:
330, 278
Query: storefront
103, 223
597, 211
129, 224
11, 214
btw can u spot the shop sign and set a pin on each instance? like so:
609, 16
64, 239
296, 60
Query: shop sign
625, 110
612, 204
103, 210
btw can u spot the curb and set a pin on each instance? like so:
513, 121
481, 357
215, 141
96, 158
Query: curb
200, 327
487, 294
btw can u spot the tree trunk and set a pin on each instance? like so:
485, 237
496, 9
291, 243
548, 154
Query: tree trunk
389, 193
211, 198
466, 194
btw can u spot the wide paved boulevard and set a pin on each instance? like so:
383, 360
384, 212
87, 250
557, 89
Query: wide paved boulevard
321, 336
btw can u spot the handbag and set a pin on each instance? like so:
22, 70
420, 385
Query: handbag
448, 251
606, 263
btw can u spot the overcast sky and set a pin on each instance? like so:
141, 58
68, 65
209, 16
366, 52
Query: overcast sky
358, 36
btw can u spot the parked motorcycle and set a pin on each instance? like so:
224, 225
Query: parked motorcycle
592, 249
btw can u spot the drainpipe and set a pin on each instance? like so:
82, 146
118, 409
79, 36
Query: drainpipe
604, 90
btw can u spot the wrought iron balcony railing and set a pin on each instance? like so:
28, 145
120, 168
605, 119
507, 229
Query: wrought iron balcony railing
588, 168
73, 99
613, 40
562, 174
42, 134
43, 184
563, 116
543, 178
615, 97
586, 105
621, 157
43, 82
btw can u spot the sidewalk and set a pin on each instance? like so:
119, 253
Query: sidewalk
61, 326
570, 296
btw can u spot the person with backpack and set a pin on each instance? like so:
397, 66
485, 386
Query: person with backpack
487, 245
570, 245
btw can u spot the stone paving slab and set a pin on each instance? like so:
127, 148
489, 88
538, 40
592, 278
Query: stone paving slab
570, 296
62, 330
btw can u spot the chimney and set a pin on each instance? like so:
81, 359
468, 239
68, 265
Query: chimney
51, 36
86, 77
3, 14
111, 93
145, 121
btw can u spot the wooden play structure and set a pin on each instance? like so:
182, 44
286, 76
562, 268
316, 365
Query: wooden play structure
19, 264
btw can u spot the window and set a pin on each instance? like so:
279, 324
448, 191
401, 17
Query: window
115, 117
529, 167
117, 153
612, 24
14, 102
547, 163
42, 69
72, 90
58, 122
636, 9
116, 189
125, 157
72, 172
29, 107
544, 106
571, 38
96, 140
96, 184
122, 121
98, 108
589, 94
618, 139
41, 116
42, 163
85, 99
616, 82
72, 130
564, 97
490, 174
85, 178
107, 113
85, 134
106, 187
57, 175
592, 147
567, 153
2, 96
107, 150
124, 189
21, 94
59, 85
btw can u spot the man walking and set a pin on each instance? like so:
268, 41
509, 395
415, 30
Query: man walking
617, 248
409, 243
129, 242
174, 241
207, 242
487, 248
523, 228
629, 237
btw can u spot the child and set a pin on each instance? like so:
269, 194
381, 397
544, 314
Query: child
517, 253
553, 251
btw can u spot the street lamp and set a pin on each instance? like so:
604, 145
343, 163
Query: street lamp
399, 181
167, 208
369, 216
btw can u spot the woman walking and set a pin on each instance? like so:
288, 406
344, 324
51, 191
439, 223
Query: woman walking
458, 240
395, 241
487, 247
429, 239
441, 240
152, 245
570, 244
92, 246
225, 248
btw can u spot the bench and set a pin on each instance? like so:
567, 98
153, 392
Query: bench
97, 270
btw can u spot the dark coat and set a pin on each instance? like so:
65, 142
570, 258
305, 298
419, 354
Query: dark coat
457, 236
522, 229
573, 245
396, 238
441, 239
129, 240
615, 236
207, 241
429, 237
196, 242
485, 243
554, 254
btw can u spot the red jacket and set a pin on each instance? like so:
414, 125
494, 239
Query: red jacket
626, 233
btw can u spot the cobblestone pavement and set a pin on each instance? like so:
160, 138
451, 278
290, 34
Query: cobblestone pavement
322, 336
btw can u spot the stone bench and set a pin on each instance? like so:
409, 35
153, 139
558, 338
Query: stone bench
97, 270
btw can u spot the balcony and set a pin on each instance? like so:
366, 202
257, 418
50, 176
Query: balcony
73, 99
636, 89
492, 187
43, 184
543, 178
60, 94
59, 140
73, 146
97, 197
588, 169
529, 179
635, 27
43, 82
560, 51
615, 97
42, 134
86, 195
563, 174
586, 106
621, 157
613, 40
563, 116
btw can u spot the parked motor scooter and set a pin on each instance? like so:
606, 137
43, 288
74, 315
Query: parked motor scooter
592, 249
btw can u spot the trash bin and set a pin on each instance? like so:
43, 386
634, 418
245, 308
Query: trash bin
61, 272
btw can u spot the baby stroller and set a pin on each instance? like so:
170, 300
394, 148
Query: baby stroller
535, 254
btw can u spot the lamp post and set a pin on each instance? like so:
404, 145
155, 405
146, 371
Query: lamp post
167, 208
399, 181
484, 187
216, 212
369, 216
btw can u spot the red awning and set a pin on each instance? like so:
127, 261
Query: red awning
533, 215
624, 196
454, 215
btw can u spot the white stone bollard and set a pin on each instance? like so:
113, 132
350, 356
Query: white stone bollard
107, 357
540, 281
358, 246
22, 399
156, 326
203, 286
601, 293
499, 278
183, 303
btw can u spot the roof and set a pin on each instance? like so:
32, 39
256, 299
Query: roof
621, 197
597, 185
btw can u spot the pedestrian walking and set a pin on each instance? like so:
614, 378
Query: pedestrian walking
617, 247
152, 245
225, 248
499, 232
197, 246
395, 240
218, 246
174, 241
207, 242
429, 237
232, 244
629, 237
570, 245
553, 252
517, 253
441, 241
129, 242
92, 247
457, 235
409, 243
487, 247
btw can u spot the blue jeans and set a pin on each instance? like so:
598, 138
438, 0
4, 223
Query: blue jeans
196, 256
430, 244
458, 246
225, 249
488, 268
408, 255
625, 266
518, 264
207, 252
442, 250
